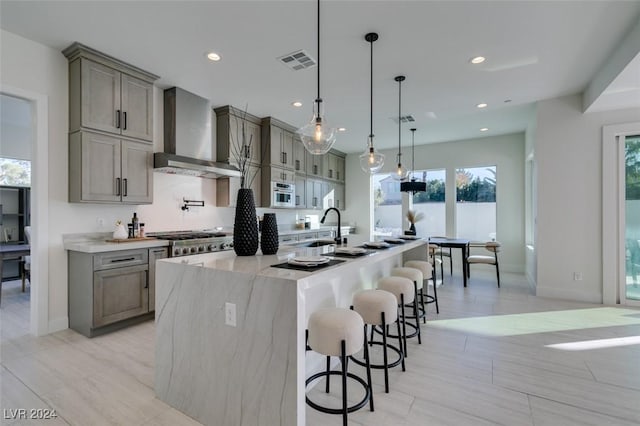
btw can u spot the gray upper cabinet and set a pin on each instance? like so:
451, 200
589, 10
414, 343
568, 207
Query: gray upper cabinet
314, 165
333, 165
279, 139
107, 95
299, 156
229, 136
106, 169
110, 129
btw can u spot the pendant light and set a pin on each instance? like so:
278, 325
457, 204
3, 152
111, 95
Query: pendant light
317, 137
371, 161
414, 186
401, 172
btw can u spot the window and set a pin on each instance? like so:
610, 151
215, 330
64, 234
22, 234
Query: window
476, 203
632, 216
15, 172
387, 205
431, 203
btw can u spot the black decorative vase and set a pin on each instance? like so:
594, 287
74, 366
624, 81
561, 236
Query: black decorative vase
269, 237
245, 225
412, 230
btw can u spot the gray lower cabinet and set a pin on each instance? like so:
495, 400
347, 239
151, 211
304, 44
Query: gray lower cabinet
111, 290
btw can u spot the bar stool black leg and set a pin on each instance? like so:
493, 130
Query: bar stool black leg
435, 295
328, 376
400, 344
404, 325
343, 360
368, 361
424, 309
415, 312
384, 354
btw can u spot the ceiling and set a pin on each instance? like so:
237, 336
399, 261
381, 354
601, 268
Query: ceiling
535, 50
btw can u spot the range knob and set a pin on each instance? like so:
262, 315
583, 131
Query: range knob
194, 249
211, 247
185, 250
200, 248
176, 252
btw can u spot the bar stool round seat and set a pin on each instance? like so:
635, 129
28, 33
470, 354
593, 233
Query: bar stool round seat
404, 291
427, 270
339, 332
418, 312
380, 308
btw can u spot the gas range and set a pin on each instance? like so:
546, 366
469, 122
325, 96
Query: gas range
185, 243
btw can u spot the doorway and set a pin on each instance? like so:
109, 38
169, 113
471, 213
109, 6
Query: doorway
39, 206
621, 214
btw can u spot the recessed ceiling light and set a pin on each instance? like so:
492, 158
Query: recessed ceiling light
296, 104
342, 129
506, 101
477, 60
484, 129
213, 56
482, 105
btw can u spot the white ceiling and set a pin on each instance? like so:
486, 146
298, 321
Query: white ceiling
535, 50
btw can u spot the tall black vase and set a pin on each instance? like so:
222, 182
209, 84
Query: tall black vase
245, 225
269, 236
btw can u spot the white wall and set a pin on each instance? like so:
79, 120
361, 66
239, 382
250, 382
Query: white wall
506, 152
15, 128
568, 150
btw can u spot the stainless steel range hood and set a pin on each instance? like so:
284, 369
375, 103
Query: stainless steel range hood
188, 146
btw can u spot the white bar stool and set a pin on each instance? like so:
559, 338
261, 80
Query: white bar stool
404, 291
339, 332
416, 276
427, 274
380, 308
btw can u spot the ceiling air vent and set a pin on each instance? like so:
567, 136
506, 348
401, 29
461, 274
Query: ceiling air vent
404, 119
297, 60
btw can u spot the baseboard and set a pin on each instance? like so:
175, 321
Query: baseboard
573, 295
58, 324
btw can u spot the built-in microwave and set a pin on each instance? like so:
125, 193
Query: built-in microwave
283, 194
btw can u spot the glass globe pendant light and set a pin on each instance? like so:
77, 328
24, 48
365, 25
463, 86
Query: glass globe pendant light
317, 137
371, 161
401, 172
413, 186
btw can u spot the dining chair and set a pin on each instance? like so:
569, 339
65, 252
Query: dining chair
25, 262
491, 246
444, 252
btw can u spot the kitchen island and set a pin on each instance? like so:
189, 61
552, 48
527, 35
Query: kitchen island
252, 373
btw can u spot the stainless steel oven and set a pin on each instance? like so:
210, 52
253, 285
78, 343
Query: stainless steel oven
283, 194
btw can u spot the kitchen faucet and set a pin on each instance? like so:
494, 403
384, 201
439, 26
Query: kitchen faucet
338, 238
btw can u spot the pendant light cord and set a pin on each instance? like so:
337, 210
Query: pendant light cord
413, 156
371, 96
399, 120
318, 97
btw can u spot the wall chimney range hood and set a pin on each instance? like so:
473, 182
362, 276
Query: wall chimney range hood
188, 145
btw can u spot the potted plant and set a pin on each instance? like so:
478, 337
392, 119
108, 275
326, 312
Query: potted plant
413, 217
245, 226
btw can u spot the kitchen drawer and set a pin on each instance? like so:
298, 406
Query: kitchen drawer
307, 236
288, 239
325, 234
120, 259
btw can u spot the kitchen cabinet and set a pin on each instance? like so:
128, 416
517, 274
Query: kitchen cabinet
314, 164
278, 138
281, 175
301, 191
299, 156
109, 95
229, 136
107, 169
335, 196
110, 290
154, 254
316, 190
333, 166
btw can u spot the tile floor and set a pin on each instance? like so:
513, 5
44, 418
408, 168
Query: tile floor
486, 359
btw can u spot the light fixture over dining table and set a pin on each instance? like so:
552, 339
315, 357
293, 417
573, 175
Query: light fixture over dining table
401, 171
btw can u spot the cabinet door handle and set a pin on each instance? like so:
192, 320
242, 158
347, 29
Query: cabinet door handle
297, 164
124, 116
315, 201
117, 119
124, 182
285, 157
337, 204
315, 169
127, 259
118, 186
297, 200
338, 175
330, 173
159, 251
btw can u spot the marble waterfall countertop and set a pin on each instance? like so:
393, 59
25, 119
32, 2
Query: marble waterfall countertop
252, 373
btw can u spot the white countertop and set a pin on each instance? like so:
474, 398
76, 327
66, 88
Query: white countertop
96, 243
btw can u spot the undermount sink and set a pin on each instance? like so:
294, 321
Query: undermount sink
316, 243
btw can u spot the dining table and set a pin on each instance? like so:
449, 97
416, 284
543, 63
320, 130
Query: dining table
9, 252
462, 244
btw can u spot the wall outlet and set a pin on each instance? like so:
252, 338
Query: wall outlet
577, 276
230, 314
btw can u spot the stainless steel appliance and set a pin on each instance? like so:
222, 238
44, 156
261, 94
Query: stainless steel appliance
283, 194
185, 243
